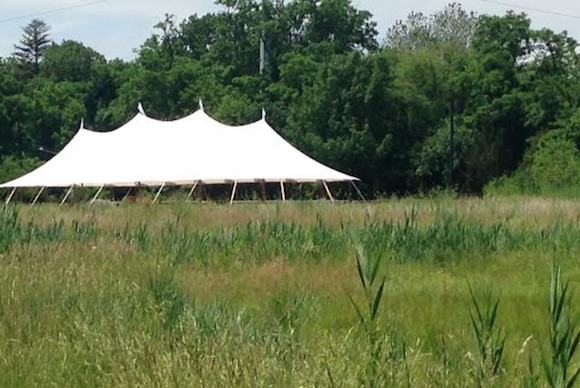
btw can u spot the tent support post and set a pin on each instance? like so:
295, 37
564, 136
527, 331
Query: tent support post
66, 196
358, 191
10, 196
327, 191
191, 191
158, 193
201, 191
37, 196
97, 194
282, 191
233, 192
263, 189
126, 194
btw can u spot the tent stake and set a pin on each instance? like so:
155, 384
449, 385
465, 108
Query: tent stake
233, 192
37, 196
66, 196
191, 191
358, 191
327, 191
97, 194
158, 193
10, 196
282, 191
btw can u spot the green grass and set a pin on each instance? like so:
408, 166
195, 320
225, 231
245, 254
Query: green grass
259, 294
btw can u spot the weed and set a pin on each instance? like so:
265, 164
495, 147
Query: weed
564, 335
489, 336
373, 286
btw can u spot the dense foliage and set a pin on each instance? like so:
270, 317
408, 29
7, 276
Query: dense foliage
451, 100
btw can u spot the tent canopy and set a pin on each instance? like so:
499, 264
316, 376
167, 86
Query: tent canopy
196, 148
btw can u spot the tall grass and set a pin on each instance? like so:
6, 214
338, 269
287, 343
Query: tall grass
564, 335
489, 337
257, 294
372, 285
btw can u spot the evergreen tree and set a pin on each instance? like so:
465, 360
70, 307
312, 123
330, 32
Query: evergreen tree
35, 40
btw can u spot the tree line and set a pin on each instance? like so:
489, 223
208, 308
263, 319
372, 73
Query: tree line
450, 100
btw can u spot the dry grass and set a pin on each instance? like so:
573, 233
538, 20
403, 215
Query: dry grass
527, 211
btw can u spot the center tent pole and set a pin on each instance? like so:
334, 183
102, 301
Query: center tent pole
233, 192
10, 196
158, 193
282, 191
37, 196
191, 191
66, 195
97, 194
327, 191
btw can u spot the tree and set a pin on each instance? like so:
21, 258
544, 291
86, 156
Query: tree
451, 25
34, 42
348, 28
13, 106
551, 79
70, 61
198, 34
495, 108
57, 110
350, 118
555, 162
428, 80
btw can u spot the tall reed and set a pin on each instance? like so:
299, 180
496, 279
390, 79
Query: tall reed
373, 286
489, 336
564, 335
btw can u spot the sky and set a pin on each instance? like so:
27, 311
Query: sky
115, 28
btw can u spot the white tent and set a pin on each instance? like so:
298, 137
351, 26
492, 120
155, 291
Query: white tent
194, 149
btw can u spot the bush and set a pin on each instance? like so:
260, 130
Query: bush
552, 167
555, 164
12, 167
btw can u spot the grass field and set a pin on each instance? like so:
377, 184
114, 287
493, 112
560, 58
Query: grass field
264, 294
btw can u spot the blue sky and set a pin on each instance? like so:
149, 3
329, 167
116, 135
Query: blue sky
116, 27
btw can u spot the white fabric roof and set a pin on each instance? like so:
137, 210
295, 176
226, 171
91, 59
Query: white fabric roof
150, 152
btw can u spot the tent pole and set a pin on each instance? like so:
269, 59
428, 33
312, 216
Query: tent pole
358, 191
97, 194
282, 191
66, 196
263, 189
37, 196
10, 195
327, 191
233, 192
191, 191
126, 194
158, 193
201, 191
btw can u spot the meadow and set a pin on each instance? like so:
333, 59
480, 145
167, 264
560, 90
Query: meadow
437, 292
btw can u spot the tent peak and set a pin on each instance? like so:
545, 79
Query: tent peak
140, 109
201, 104
82, 123
263, 114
